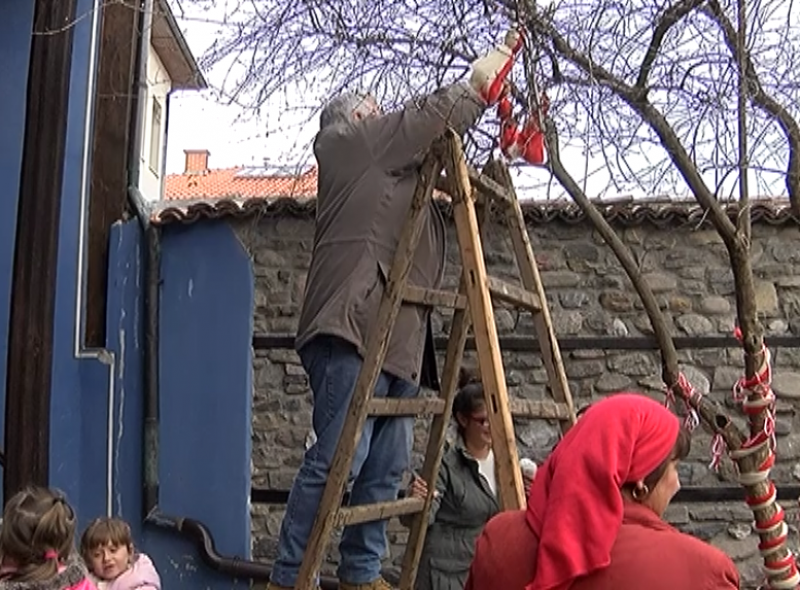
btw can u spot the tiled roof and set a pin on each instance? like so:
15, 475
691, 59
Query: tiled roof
240, 183
244, 192
659, 213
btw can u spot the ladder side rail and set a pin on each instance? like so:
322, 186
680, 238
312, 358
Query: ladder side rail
456, 345
434, 452
377, 346
509, 478
532, 281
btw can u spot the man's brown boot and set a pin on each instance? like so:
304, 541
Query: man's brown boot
379, 584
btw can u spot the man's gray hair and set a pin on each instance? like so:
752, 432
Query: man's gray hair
341, 108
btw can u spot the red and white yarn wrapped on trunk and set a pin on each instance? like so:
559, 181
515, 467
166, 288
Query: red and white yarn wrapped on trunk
692, 419
757, 399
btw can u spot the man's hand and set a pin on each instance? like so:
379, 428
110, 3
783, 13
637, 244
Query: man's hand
419, 488
528, 468
490, 71
527, 482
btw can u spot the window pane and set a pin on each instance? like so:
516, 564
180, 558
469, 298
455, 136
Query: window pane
155, 138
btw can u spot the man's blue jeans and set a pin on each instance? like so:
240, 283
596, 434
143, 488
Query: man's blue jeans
382, 456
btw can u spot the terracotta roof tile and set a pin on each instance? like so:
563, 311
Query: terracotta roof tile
240, 183
657, 213
245, 192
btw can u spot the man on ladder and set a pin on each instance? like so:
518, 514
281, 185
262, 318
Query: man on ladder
368, 172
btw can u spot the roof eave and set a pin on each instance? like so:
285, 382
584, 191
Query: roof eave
775, 212
173, 50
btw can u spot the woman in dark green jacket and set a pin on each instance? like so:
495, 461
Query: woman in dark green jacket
465, 496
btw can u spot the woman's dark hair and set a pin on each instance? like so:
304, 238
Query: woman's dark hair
469, 398
681, 449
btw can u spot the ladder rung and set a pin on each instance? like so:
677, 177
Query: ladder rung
526, 408
513, 294
489, 187
378, 511
434, 297
405, 406
443, 185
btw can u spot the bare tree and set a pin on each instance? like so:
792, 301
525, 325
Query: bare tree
690, 95
398, 48
754, 453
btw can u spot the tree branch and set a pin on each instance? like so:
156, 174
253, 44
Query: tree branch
709, 410
743, 222
776, 111
668, 18
749, 462
650, 115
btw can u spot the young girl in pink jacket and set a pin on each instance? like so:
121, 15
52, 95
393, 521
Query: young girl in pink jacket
36, 544
107, 548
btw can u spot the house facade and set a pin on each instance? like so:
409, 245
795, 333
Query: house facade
170, 68
75, 353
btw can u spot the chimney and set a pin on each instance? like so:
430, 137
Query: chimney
196, 161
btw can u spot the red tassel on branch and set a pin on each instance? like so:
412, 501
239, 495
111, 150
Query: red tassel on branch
527, 143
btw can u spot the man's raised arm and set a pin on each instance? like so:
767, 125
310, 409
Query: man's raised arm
397, 139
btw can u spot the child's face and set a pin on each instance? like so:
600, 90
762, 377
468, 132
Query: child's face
108, 561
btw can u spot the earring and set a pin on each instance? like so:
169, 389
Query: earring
640, 493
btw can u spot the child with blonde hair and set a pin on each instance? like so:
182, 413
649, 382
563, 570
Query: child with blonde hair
37, 544
107, 548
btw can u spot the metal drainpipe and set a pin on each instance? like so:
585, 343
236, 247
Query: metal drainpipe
140, 94
151, 371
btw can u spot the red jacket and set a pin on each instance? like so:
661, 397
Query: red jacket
648, 554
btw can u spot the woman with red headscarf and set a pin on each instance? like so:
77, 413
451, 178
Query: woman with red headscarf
594, 515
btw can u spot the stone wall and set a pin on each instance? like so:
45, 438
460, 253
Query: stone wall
589, 294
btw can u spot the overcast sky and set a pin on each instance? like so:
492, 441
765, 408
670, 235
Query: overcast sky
200, 120
282, 136
279, 135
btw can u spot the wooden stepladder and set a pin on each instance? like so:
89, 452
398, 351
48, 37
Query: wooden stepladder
473, 306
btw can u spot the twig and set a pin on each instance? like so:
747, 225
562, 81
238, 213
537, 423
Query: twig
668, 18
743, 221
764, 101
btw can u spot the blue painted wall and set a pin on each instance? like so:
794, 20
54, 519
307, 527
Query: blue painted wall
97, 395
206, 381
80, 382
205, 388
125, 335
15, 46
